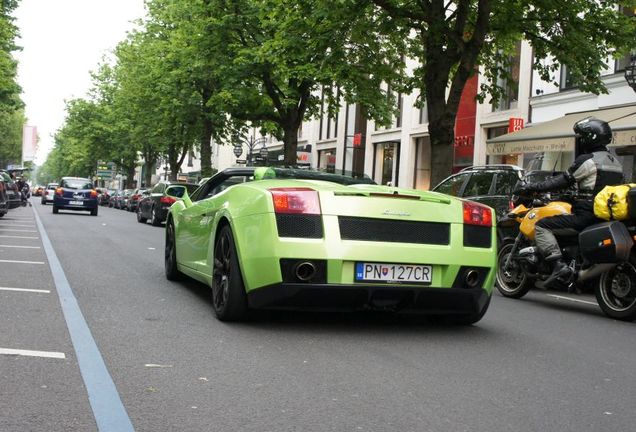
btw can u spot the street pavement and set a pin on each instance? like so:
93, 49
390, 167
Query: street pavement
543, 363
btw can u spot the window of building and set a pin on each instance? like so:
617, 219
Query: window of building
566, 81
422, 174
510, 83
423, 114
328, 124
327, 160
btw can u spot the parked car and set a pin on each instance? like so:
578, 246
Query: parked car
133, 200
124, 198
114, 197
48, 193
154, 204
75, 193
14, 197
4, 202
279, 238
103, 197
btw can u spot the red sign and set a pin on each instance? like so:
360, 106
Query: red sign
515, 124
357, 140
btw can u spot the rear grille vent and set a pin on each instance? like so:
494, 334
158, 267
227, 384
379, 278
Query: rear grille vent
295, 225
395, 231
477, 236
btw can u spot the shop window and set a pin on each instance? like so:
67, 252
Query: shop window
386, 163
422, 166
327, 160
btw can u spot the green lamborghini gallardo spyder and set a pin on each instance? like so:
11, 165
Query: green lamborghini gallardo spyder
281, 238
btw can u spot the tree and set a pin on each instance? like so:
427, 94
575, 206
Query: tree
452, 38
281, 54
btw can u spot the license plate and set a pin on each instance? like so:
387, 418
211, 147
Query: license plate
382, 272
77, 203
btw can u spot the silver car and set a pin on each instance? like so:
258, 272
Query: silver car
48, 193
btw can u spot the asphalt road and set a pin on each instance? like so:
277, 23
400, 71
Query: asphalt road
538, 364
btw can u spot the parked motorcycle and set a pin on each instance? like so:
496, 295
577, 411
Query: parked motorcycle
600, 256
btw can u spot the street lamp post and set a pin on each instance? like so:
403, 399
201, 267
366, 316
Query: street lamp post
251, 144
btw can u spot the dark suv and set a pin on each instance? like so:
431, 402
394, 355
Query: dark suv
488, 184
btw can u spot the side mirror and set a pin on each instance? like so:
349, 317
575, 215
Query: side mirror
179, 192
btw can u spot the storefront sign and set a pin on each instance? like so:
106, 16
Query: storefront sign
515, 124
357, 140
532, 146
303, 158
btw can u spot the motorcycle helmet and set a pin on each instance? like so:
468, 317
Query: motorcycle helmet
592, 132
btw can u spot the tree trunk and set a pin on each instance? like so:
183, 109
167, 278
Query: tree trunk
130, 177
290, 140
206, 148
150, 169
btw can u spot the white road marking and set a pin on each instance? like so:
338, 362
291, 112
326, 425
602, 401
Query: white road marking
17, 230
558, 297
16, 225
20, 247
21, 237
152, 365
25, 290
151, 248
21, 262
29, 353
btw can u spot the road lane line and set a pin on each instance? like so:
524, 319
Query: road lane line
108, 409
20, 247
16, 225
25, 290
21, 262
20, 237
30, 353
17, 230
558, 297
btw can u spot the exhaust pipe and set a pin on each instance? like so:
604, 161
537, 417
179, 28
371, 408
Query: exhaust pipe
472, 278
595, 270
305, 271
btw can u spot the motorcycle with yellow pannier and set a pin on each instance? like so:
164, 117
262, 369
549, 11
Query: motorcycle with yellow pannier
602, 257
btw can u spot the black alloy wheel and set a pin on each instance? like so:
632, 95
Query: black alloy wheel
616, 292
228, 290
170, 261
154, 220
140, 218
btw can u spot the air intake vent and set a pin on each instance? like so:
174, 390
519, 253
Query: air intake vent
395, 231
299, 225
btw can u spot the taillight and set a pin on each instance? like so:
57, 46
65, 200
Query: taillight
295, 200
93, 194
167, 200
477, 214
59, 191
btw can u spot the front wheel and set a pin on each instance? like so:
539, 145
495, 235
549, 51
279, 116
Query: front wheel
170, 257
228, 290
512, 282
616, 291
55, 209
94, 212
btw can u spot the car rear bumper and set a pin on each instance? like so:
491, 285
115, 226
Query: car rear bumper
62, 203
425, 300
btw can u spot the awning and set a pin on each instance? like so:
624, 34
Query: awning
557, 134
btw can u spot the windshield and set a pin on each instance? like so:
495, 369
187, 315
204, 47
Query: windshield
342, 177
76, 183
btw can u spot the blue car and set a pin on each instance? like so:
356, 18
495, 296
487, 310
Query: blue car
75, 193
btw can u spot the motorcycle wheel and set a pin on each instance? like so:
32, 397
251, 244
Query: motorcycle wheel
513, 283
616, 291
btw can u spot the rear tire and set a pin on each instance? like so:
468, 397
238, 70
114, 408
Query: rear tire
154, 221
55, 209
43, 203
229, 299
94, 212
140, 218
616, 291
513, 282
